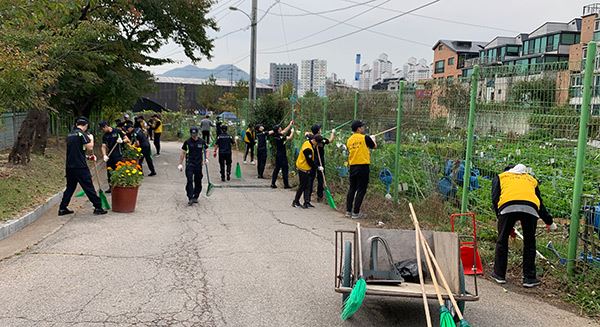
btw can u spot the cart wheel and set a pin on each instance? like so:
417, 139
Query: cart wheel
461, 304
347, 269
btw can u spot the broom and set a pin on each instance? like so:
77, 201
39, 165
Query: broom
101, 194
210, 187
328, 195
421, 279
82, 193
356, 297
443, 310
238, 171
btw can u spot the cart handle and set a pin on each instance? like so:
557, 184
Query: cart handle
467, 214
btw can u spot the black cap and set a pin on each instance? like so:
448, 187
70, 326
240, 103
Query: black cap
276, 128
81, 121
102, 124
315, 129
318, 138
194, 130
356, 124
224, 128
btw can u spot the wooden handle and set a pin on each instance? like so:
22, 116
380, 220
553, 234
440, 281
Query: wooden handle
360, 265
387, 130
321, 164
421, 281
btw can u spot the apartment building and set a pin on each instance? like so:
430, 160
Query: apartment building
449, 57
313, 77
279, 74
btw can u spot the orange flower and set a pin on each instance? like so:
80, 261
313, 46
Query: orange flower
138, 167
133, 161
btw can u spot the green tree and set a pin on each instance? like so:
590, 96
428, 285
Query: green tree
310, 94
286, 90
208, 94
240, 90
181, 98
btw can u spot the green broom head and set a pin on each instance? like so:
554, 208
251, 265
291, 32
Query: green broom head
329, 198
210, 189
446, 319
104, 200
238, 171
80, 194
355, 299
463, 323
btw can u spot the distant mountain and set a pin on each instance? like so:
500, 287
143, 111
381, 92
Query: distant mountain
222, 72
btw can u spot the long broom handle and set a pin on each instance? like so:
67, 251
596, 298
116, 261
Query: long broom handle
421, 280
342, 125
387, 130
321, 164
359, 242
437, 267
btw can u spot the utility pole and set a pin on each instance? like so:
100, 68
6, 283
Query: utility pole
252, 86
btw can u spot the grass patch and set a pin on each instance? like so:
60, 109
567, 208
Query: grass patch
24, 187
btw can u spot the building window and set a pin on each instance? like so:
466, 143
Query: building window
451, 62
439, 66
567, 39
512, 51
525, 47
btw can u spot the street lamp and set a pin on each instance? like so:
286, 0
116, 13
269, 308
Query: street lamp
252, 83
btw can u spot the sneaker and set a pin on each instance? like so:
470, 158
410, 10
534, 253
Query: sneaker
108, 191
296, 204
190, 202
195, 200
359, 215
287, 187
319, 199
531, 282
498, 279
348, 214
65, 211
158, 154
273, 186
152, 174
228, 177
222, 179
100, 211
245, 162
308, 205
252, 163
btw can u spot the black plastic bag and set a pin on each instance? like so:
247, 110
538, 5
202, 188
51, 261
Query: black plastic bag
409, 270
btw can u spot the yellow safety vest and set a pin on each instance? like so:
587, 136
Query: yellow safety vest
159, 129
517, 187
246, 135
301, 162
358, 151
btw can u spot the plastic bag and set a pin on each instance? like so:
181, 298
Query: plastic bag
409, 270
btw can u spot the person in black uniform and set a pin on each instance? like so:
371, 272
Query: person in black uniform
320, 160
111, 147
281, 160
218, 125
223, 144
261, 150
77, 171
194, 153
305, 163
139, 138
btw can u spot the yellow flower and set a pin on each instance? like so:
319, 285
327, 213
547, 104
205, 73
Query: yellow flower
134, 171
128, 174
139, 149
127, 171
140, 173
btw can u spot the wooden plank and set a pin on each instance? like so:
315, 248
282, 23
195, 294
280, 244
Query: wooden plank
406, 290
446, 250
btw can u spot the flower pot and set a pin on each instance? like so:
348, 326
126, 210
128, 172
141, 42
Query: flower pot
124, 198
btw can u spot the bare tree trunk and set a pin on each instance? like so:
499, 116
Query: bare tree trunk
21, 151
40, 140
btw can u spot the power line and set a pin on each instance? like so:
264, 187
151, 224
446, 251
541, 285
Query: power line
326, 11
283, 30
359, 30
338, 23
435, 18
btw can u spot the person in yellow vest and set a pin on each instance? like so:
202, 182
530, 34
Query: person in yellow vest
305, 163
516, 197
359, 160
249, 139
157, 128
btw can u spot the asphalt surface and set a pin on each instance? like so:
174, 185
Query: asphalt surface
243, 257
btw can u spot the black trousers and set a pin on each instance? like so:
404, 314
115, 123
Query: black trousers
505, 226
206, 137
281, 163
112, 163
261, 156
225, 160
157, 142
193, 173
320, 185
147, 155
82, 177
304, 187
250, 148
359, 181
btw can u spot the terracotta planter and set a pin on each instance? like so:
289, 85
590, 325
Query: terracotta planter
124, 198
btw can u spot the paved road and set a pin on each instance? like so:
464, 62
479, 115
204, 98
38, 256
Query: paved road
243, 257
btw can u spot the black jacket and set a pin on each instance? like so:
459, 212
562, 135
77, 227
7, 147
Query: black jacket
496, 191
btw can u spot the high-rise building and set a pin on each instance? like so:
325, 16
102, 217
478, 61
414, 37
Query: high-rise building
282, 73
365, 81
382, 68
313, 77
414, 71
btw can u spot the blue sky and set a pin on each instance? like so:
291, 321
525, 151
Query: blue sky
479, 20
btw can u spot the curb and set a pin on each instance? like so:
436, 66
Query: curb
12, 226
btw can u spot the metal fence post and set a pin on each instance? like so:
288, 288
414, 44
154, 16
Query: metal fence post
355, 104
325, 104
581, 147
399, 110
470, 130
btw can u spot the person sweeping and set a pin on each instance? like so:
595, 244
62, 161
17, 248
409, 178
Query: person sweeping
281, 160
249, 139
139, 138
193, 151
223, 146
359, 160
261, 150
305, 163
112, 151
516, 197
316, 130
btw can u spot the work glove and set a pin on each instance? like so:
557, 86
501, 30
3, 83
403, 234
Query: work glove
180, 167
215, 154
206, 162
333, 131
105, 158
92, 157
119, 140
91, 137
321, 168
552, 227
373, 138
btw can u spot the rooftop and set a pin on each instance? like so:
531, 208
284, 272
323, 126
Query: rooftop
462, 46
200, 81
